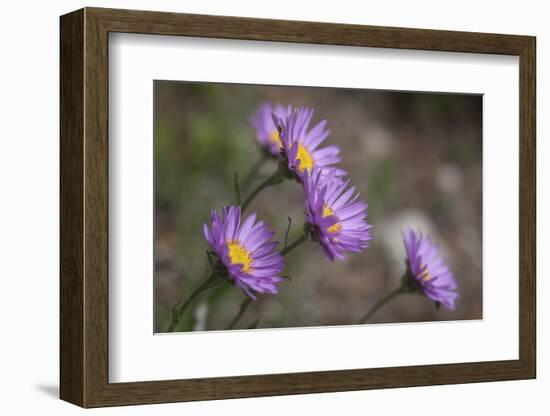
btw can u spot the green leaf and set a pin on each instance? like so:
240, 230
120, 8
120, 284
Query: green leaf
288, 230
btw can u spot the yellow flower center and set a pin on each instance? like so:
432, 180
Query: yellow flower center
327, 212
306, 161
335, 228
239, 255
424, 274
275, 138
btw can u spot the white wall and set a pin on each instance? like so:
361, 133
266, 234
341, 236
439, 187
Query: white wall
29, 210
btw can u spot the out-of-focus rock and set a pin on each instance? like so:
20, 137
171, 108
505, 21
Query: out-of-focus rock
449, 179
201, 314
378, 142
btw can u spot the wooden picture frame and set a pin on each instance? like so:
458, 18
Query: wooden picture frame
84, 207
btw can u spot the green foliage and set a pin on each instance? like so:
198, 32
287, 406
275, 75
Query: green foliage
382, 186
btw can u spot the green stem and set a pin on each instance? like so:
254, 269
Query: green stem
244, 306
274, 179
178, 311
254, 170
302, 239
381, 302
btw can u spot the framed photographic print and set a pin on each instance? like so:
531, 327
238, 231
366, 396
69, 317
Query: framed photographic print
262, 207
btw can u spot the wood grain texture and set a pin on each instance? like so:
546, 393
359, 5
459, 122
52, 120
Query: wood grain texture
84, 207
71, 100
527, 208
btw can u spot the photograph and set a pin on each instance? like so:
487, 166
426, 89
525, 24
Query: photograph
298, 206
273, 205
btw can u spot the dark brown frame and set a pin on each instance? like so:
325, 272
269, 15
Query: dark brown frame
84, 207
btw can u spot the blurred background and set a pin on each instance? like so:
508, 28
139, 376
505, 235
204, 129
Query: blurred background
415, 157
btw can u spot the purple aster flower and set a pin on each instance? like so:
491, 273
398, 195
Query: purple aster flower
337, 219
267, 132
301, 145
427, 267
245, 250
